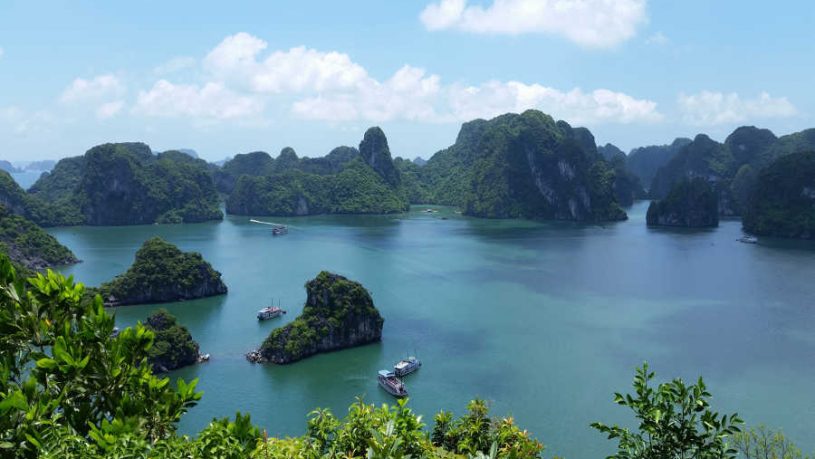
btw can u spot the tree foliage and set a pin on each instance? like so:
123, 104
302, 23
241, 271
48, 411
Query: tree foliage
674, 422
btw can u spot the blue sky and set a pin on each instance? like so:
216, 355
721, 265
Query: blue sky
231, 77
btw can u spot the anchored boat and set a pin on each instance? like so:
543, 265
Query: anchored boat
270, 312
407, 366
392, 384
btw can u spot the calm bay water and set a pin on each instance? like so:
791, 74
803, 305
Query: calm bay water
545, 320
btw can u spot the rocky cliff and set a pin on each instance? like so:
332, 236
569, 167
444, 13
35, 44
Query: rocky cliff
173, 346
27, 245
524, 166
376, 153
338, 314
783, 201
691, 203
162, 273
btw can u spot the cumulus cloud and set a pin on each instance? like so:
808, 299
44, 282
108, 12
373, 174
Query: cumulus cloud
298, 69
411, 94
103, 92
244, 76
589, 23
212, 101
575, 106
95, 89
714, 108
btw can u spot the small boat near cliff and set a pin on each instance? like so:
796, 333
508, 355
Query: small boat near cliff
270, 312
407, 366
748, 239
392, 384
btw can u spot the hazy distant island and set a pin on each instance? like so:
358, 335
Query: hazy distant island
338, 314
162, 273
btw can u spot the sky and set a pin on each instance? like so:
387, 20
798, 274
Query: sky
232, 77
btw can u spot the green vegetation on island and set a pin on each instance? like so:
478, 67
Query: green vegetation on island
524, 166
71, 389
782, 203
343, 182
173, 346
731, 167
28, 245
162, 273
692, 203
126, 184
338, 314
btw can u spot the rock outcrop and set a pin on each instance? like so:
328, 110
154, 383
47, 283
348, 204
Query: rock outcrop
783, 201
162, 273
173, 346
524, 166
27, 245
338, 314
692, 203
376, 153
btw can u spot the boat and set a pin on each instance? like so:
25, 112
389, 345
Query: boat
270, 312
392, 384
748, 239
277, 228
407, 366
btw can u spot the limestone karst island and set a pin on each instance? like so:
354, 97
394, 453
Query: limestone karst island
430, 229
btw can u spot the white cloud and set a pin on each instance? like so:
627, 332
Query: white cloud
575, 106
296, 70
175, 65
1, 52
713, 108
244, 77
589, 23
212, 101
409, 94
93, 90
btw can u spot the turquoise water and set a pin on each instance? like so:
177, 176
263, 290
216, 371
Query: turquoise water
545, 320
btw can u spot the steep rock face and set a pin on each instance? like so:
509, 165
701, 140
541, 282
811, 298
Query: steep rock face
609, 151
627, 186
173, 346
28, 245
40, 211
62, 181
644, 162
783, 201
162, 273
374, 150
747, 143
691, 203
338, 314
526, 166
125, 184
253, 164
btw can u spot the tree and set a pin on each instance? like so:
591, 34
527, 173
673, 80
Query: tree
763, 443
675, 422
